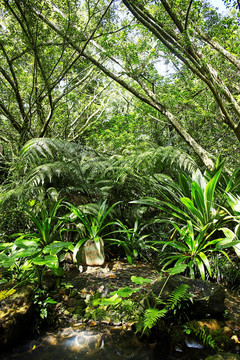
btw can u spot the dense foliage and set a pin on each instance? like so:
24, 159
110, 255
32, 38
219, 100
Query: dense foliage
113, 118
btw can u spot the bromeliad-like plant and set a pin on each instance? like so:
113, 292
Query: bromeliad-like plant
194, 250
192, 200
90, 221
132, 240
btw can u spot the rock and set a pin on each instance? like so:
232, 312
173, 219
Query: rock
71, 303
81, 303
208, 299
68, 258
89, 254
226, 356
49, 280
16, 321
73, 293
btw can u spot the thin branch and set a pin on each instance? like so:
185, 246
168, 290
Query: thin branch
187, 15
11, 117
90, 103
173, 16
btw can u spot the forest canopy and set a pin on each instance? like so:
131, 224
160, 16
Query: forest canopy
93, 71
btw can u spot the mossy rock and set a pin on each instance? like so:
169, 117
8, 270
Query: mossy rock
226, 356
208, 299
90, 254
16, 317
211, 333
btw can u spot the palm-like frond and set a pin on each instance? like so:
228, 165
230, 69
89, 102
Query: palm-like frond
35, 150
77, 169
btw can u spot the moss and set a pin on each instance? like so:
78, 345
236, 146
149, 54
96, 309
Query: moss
223, 341
177, 334
211, 333
227, 356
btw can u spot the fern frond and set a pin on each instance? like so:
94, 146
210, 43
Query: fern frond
151, 317
35, 150
7, 194
177, 295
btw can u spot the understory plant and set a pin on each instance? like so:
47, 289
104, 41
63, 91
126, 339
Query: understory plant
201, 333
201, 212
31, 253
196, 250
90, 223
140, 306
191, 199
134, 242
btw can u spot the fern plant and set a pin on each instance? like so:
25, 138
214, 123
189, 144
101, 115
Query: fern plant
65, 165
202, 334
81, 175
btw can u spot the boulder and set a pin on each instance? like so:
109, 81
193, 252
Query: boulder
16, 321
208, 299
90, 254
226, 356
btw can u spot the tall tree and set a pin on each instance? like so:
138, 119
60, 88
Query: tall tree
129, 79
41, 78
124, 46
180, 28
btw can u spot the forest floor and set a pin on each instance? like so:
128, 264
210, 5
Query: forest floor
110, 277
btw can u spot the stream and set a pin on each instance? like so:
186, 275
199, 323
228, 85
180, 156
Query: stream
101, 344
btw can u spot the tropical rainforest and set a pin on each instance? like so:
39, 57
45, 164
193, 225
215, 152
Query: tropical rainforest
120, 123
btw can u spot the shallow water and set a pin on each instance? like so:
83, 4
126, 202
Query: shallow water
99, 344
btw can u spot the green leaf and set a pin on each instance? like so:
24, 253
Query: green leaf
177, 269
6, 261
184, 185
177, 295
126, 292
26, 243
151, 317
206, 262
113, 300
27, 252
200, 265
140, 280
49, 260
57, 271
209, 192
4, 246
198, 197
190, 206
57, 246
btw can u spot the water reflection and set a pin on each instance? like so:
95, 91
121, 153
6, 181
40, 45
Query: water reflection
98, 344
